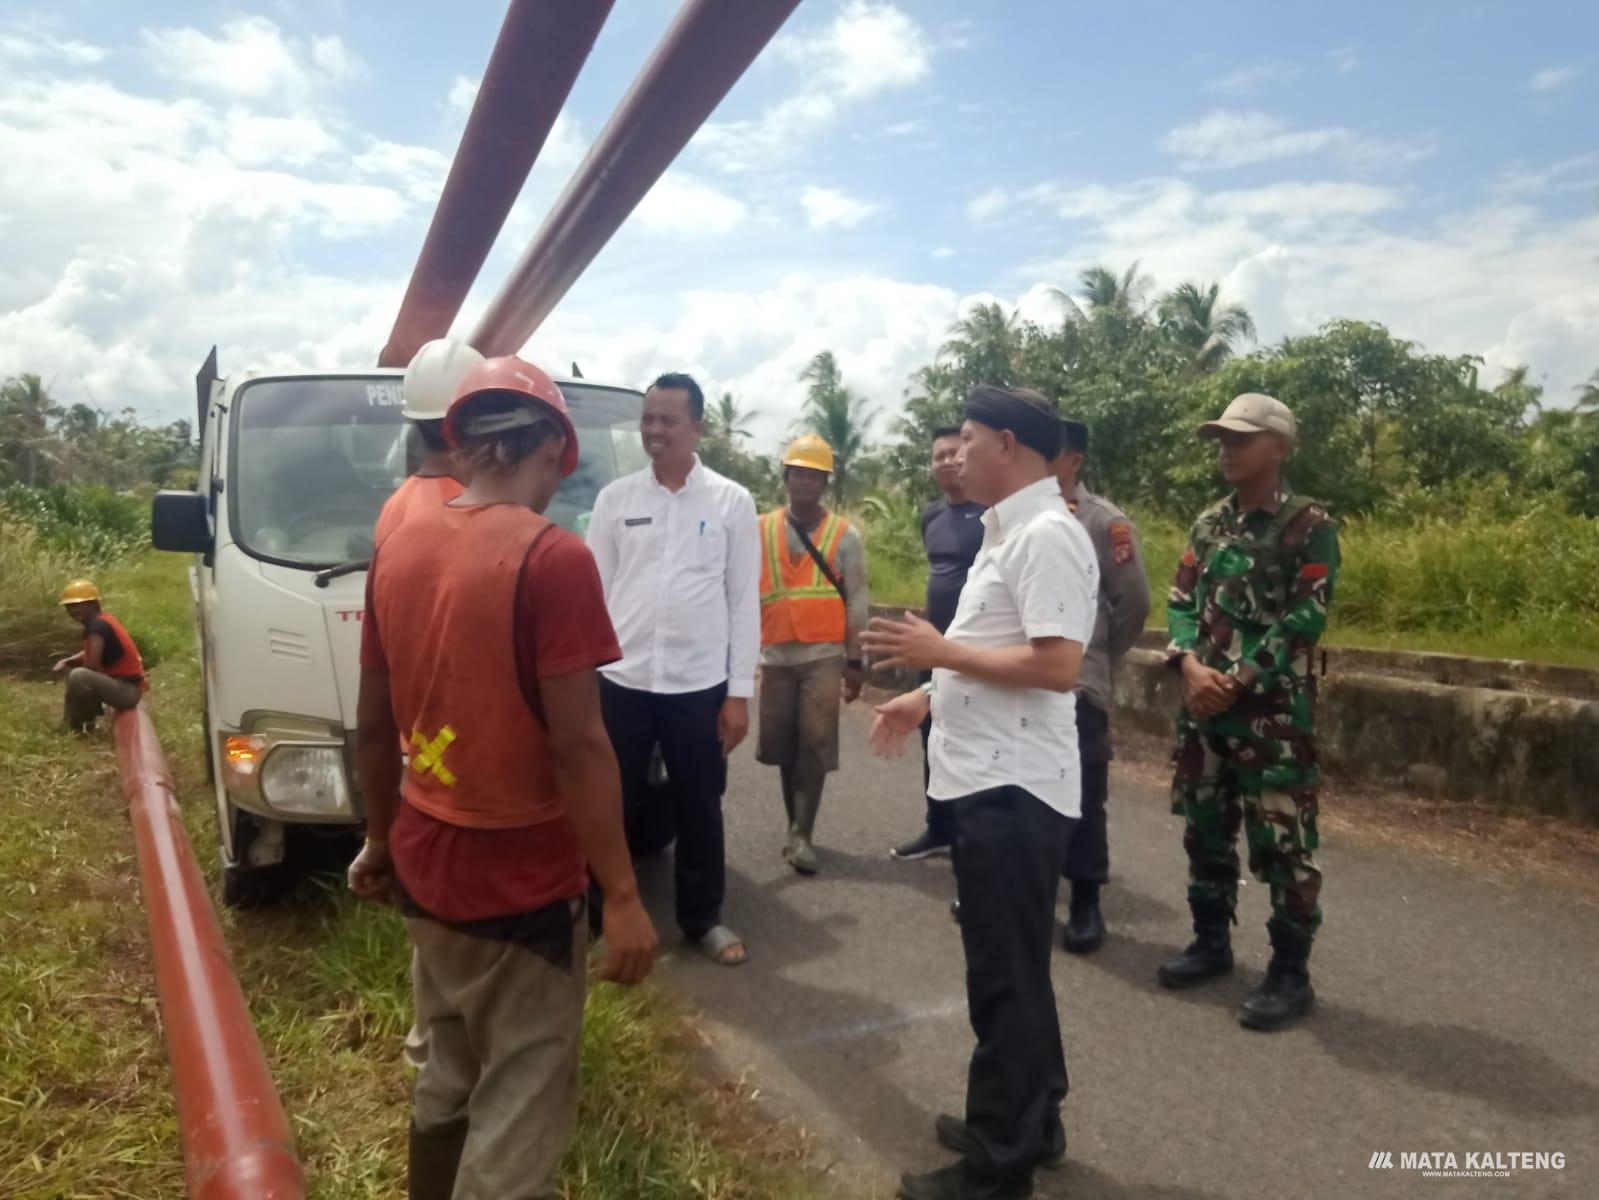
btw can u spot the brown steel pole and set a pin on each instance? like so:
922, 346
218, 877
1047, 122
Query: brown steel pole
710, 44
541, 47
236, 1142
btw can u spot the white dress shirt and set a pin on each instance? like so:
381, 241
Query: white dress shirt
1036, 576
682, 575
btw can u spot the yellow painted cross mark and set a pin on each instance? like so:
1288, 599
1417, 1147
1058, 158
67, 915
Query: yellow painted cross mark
429, 755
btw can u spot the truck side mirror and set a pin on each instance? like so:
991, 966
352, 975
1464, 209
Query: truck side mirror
180, 521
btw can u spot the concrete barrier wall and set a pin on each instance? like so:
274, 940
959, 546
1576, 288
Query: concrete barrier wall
1443, 725
1540, 753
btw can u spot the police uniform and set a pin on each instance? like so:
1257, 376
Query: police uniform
1123, 608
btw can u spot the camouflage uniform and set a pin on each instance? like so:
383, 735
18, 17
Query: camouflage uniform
1250, 599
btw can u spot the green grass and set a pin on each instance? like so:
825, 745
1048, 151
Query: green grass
1479, 581
85, 1107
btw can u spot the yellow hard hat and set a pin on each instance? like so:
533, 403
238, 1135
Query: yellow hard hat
78, 591
809, 450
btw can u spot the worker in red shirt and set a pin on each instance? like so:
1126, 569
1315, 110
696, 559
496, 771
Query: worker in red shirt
430, 382
481, 835
107, 671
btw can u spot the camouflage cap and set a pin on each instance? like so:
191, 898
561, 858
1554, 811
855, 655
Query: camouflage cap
1253, 412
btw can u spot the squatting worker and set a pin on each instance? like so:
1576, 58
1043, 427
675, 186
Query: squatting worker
484, 626
108, 671
1122, 609
679, 555
951, 536
430, 382
1003, 711
814, 607
1246, 609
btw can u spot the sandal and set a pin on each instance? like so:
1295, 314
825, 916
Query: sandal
722, 946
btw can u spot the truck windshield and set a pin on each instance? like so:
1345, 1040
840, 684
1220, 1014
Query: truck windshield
313, 460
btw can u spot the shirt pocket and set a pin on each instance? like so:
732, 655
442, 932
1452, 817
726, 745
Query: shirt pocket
708, 551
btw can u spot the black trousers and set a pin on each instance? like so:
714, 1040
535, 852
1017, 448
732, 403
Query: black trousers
938, 815
684, 725
1008, 849
1088, 854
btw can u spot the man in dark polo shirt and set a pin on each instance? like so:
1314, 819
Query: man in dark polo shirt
951, 534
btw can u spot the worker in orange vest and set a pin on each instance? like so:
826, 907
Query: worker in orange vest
484, 627
107, 671
430, 382
814, 606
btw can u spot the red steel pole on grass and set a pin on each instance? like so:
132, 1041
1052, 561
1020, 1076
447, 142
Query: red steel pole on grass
542, 46
236, 1141
710, 44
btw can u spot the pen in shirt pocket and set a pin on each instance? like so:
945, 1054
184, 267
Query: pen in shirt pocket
702, 528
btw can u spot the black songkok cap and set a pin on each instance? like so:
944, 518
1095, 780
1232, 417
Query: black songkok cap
1027, 414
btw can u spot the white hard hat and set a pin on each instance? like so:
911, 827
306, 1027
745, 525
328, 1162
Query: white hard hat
431, 378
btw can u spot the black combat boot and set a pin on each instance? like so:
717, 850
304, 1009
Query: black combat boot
1210, 953
1085, 928
1285, 993
435, 1159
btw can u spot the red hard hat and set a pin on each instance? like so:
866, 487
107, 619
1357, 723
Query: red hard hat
516, 377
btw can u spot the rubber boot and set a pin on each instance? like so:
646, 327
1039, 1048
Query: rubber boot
435, 1159
1085, 928
807, 800
1210, 953
1285, 994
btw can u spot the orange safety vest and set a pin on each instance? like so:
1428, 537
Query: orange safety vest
444, 587
417, 492
130, 665
798, 604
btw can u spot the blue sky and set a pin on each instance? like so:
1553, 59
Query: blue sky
261, 176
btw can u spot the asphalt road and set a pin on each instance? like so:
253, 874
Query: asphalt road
1453, 1015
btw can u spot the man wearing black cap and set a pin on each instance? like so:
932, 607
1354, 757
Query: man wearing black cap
1003, 710
1123, 607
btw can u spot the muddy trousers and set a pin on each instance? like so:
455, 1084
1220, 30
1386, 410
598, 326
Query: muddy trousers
799, 733
1274, 804
90, 691
502, 1020
1008, 849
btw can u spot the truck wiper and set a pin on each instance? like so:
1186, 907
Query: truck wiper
323, 577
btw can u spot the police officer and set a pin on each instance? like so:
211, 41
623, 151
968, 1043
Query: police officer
1123, 608
1247, 607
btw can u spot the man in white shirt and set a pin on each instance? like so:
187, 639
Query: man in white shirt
679, 557
1003, 755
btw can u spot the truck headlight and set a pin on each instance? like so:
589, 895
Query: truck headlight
305, 779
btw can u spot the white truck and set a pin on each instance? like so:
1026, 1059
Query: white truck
294, 467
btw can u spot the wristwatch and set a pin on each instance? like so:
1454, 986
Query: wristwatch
857, 663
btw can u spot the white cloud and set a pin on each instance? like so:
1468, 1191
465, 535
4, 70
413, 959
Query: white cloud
944, 252
1552, 79
1579, 173
30, 46
1298, 254
463, 93
251, 59
1235, 139
828, 208
986, 207
1246, 81
256, 140
681, 203
1344, 59
905, 128
867, 49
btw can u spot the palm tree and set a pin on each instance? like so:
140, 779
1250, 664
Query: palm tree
726, 419
1104, 291
984, 343
27, 412
1209, 331
837, 415
1588, 393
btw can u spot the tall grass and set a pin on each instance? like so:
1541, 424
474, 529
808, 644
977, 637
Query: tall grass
1488, 574
47, 537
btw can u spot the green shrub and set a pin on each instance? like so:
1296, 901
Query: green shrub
89, 525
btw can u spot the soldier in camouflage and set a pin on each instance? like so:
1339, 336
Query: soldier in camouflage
1246, 609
